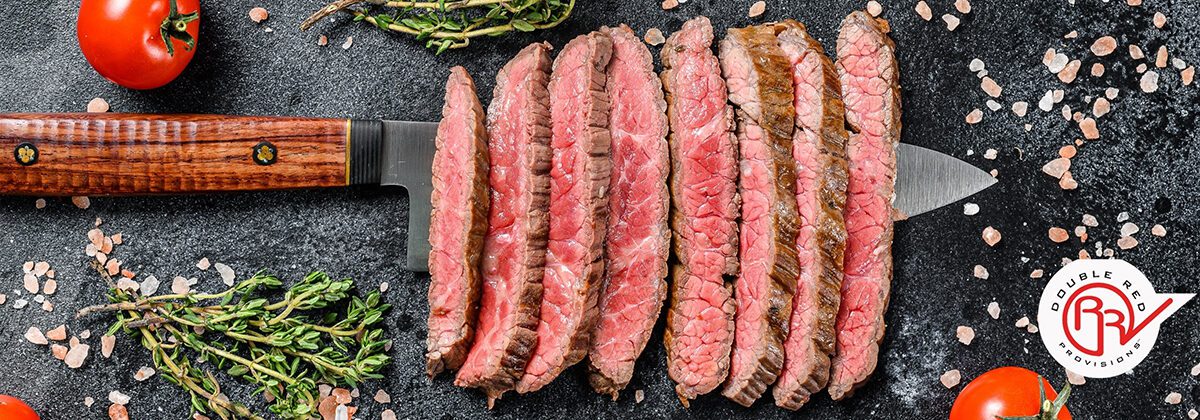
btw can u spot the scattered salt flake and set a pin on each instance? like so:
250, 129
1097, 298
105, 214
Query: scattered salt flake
35, 336
388, 415
86, 334
1057, 167
1187, 75
951, 21
1032, 329
1192, 414
1196, 370
258, 14
76, 356
1067, 75
993, 105
349, 42
970, 209
59, 333
1134, 2
1149, 82
1135, 52
980, 272
1020, 108
107, 342
1158, 230
50, 287
670, 4
1160, 20
1057, 62
1047, 102
1090, 221
149, 286
965, 334
97, 105
654, 36
874, 8
976, 65
1058, 235
975, 116
1088, 127
923, 10
990, 87
991, 236
1128, 229
1160, 58
128, 285
1071, 35
951, 378
993, 310
227, 274
382, 397
1075, 378
203, 264
757, 9
116, 397
963, 6
1141, 68
59, 351
118, 412
31, 283
41, 268
88, 401
20, 303
1100, 107
1122, 216
1173, 398
341, 395
1023, 322
1059, 94
322, 40
1097, 69
1067, 151
179, 285
1127, 242
1104, 45
1178, 63
990, 154
143, 373
383, 287
3, 298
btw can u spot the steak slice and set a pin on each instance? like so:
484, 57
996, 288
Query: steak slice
579, 177
457, 224
760, 85
704, 216
867, 68
638, 239
819, 149
514, 250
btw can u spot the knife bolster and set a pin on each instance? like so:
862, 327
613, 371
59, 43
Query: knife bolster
365, 152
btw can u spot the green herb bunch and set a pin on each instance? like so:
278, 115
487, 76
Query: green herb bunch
447, 24
316, 333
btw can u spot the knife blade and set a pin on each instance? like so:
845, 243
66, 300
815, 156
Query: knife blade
133, 154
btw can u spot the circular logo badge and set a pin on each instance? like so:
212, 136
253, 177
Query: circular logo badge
1100, 317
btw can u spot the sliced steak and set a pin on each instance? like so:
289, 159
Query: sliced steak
760, 86
638, 239
704, 172
819, 150
457, 224
579, 177
867, 69
514, 250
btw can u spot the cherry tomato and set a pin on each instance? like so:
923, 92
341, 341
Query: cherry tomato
12, 408
139, 44
1005, 392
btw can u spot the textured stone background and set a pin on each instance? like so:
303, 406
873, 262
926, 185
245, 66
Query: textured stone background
1144, 164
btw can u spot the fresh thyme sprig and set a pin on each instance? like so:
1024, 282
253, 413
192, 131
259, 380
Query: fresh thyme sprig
447, 24
280, 347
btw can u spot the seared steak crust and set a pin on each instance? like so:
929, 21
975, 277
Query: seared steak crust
760, 85
458, 223
579, 179
638, 239
704, 216
869, 76
514, 253
819, 149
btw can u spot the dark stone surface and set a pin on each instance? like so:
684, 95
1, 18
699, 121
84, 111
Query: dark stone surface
1145, 164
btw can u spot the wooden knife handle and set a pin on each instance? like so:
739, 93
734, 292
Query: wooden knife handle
130, 154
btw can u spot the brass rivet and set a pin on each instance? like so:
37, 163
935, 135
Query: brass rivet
264, 153
26, 154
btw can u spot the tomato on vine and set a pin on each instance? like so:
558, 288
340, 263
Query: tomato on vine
12, 408
1011, 393
139, 44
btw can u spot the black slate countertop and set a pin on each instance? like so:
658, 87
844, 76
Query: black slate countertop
1143, 164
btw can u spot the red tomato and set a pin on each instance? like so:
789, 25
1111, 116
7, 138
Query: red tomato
13, 409
139, 44
1006, 392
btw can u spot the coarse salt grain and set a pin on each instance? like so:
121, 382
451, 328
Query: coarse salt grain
1075, 378
1097, 69
258, 14
1187, 75
1127, 242
1160, 58
980, 272
1057, 167
116, 397
322, 40
1149, 82
107, 342
1067, 151
1020, 108
974, 117
1100, 107
1090, 221
965, 334
1036, 274
757, 9
59, 333
1058, 235
1173, 398
1122, 216
382, 397
1129, 229
991, 236
993, 105
1160, 20
97, 105
874, 8
1068, 73
1088, 127
990, 87
670, 4
970, 209
35, 336
82, 202
143, 373
1135, 52
963, 6
349, 43
951, 21
975, 65
1158, 230
76, 356
1047, 102
654, 36
1104, 45
993, 310
951, 378
923, 10
227, 274
204, 264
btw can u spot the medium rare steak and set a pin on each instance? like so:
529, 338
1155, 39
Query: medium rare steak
514, 250
457, 224
638, 237
704, 216
760, 85
819, 150
867, 68
579, 175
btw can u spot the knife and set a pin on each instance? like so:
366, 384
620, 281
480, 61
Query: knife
141, 154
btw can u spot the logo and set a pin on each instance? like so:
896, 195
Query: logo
1100, 318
